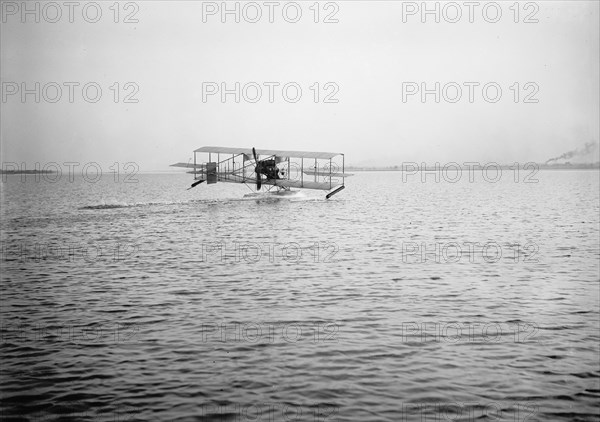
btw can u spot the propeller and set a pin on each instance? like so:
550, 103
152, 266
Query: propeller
257, 169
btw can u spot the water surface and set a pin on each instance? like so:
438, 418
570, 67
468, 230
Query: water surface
144, 301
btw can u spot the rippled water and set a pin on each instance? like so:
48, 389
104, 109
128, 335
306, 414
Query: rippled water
144, 301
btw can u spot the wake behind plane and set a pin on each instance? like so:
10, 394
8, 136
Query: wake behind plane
274, 170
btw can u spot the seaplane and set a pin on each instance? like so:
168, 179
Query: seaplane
274, 170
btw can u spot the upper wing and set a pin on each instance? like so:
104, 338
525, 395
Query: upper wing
269, 152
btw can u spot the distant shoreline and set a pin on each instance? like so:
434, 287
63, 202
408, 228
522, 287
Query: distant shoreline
27, 171
591, 166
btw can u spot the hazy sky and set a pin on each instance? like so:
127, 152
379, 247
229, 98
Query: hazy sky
374, 49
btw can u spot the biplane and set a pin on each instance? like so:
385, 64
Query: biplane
277, 171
